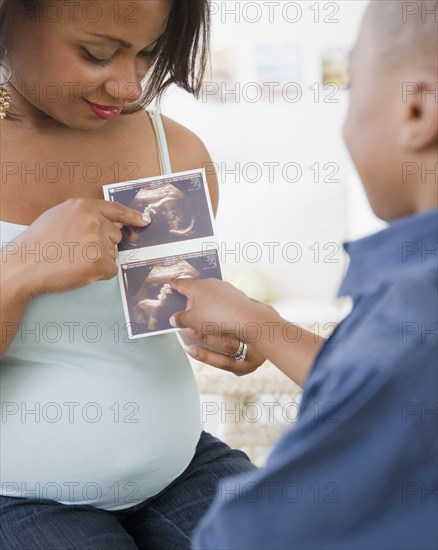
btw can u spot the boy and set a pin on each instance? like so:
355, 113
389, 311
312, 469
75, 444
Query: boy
360, 468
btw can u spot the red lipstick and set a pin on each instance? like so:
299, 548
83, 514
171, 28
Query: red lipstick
105, 112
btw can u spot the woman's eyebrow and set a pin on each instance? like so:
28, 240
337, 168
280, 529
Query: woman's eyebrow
122, 43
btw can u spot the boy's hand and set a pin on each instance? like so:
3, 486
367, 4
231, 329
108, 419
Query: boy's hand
212, 305
214, 315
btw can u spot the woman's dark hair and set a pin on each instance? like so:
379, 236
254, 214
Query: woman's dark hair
181, 53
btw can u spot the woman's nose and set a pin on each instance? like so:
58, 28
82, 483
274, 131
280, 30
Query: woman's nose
124, 88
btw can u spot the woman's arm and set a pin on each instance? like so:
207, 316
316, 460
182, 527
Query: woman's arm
15, 296
216, 310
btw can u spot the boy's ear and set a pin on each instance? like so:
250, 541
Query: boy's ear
420, 110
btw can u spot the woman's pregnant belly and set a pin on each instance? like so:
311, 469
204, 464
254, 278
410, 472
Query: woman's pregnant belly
88, 416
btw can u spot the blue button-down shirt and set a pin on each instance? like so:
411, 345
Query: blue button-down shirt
359, 470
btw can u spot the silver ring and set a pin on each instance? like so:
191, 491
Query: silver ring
240, 355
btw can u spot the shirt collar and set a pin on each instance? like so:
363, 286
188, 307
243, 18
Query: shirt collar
409, 246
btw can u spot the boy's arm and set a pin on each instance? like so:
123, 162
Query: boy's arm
217, 312
359, 466
289, 347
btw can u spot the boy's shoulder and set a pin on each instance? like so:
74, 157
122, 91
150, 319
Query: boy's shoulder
389, 338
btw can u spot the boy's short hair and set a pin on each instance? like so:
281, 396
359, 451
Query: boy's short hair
405, 31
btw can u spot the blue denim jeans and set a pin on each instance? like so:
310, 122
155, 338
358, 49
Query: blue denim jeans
163, 522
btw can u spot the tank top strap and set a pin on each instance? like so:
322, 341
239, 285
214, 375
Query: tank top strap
160, 135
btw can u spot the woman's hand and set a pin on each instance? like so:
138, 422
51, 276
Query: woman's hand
71, 245
215, 317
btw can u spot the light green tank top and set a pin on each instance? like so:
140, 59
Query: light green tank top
87, 415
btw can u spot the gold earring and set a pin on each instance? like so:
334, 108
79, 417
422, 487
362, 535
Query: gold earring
5, 77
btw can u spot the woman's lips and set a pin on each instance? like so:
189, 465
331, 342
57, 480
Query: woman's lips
105, 112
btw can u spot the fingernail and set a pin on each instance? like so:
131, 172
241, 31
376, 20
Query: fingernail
146, 218
193, 352
172, 322
188, 331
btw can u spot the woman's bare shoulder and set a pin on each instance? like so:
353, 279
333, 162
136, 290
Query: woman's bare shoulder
188, 152
186, 149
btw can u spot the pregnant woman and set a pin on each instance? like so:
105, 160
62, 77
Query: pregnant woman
101, 443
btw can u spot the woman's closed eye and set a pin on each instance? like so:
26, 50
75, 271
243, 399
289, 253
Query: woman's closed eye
104, 62
97, 60
150, 54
